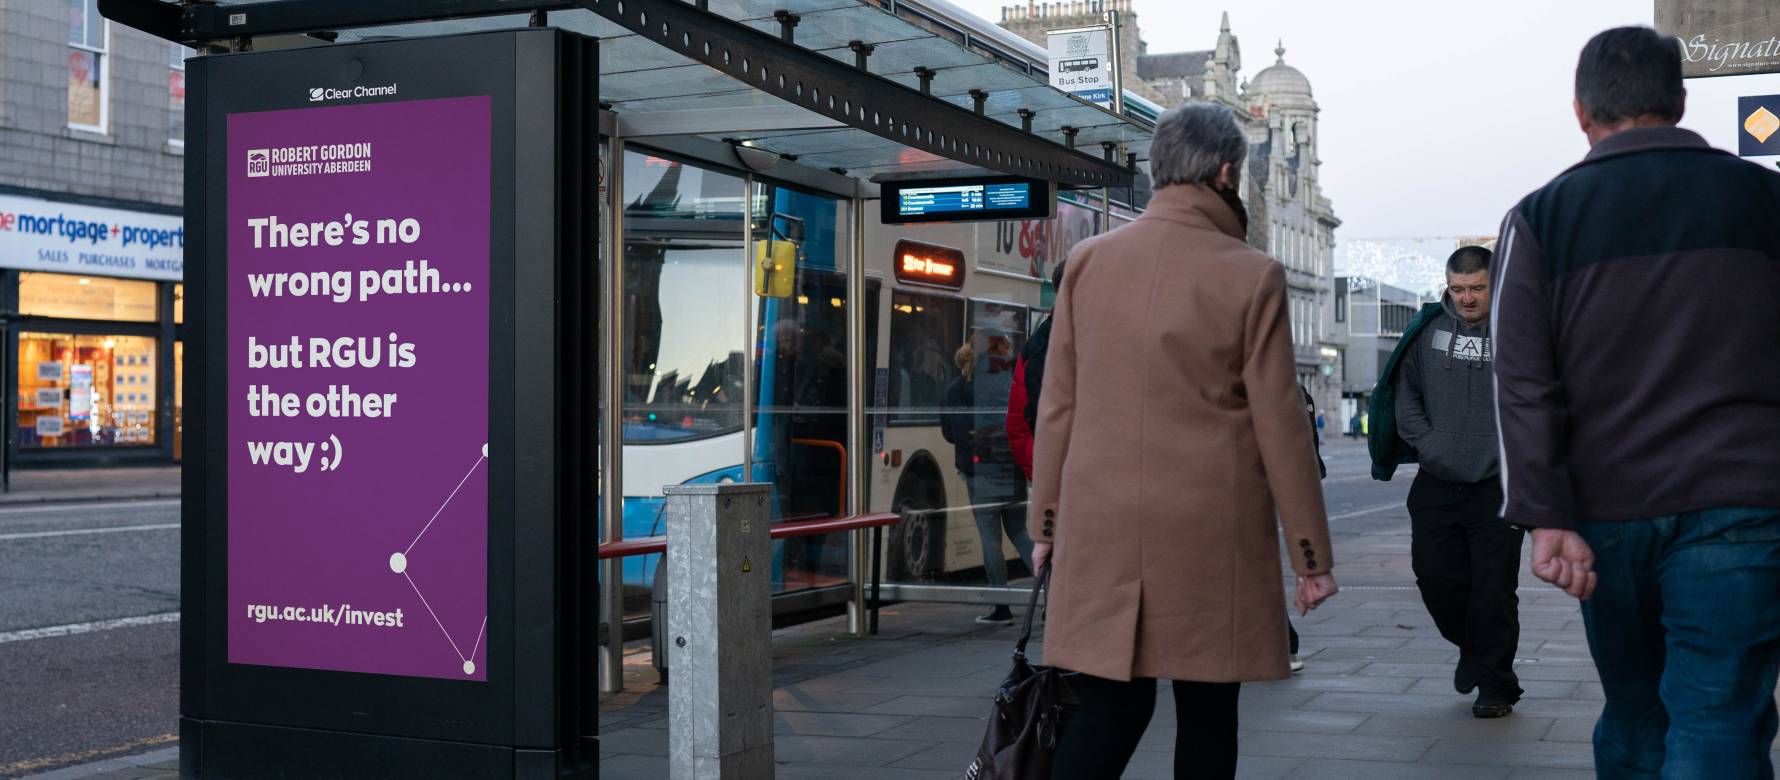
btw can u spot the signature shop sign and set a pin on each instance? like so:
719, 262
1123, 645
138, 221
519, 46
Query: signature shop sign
1723, 37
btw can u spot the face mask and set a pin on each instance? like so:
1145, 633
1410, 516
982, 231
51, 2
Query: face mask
1234, 201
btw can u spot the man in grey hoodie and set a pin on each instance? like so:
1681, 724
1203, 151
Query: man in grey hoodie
1466, 560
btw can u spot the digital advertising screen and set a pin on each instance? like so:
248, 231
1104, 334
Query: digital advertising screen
358, 244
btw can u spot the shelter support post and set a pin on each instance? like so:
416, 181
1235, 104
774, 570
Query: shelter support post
859, 464
611, 652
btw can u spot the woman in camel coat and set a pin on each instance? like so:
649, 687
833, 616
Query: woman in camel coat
1171, 435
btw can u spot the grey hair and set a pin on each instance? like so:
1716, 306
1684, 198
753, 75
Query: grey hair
1192, 142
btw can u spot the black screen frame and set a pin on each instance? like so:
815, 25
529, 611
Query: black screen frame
523, 702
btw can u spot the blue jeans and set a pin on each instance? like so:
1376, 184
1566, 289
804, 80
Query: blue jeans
995, 491
1684, 627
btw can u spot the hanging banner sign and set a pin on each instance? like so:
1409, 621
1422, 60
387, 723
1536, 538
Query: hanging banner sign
358, 387
1723, 37
1081, 63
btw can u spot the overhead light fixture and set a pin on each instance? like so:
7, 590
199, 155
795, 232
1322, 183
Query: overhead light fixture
84, 280
753, 158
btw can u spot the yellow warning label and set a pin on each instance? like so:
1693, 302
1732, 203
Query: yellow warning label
746, 566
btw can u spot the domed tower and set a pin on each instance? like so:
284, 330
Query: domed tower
1300, 230
1280, 96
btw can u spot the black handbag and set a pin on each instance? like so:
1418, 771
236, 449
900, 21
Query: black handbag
1031, 708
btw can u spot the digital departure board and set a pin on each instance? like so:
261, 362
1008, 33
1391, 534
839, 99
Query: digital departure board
980, 198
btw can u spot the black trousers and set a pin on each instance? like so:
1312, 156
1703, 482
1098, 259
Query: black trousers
1467, 566
1100, 737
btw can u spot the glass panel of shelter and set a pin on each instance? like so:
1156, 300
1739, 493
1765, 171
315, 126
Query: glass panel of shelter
686, 278
801, 374
937, 409
682, 404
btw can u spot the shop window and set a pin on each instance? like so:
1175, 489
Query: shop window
79, 390
88, 58
86, 297
179, 304
176, 93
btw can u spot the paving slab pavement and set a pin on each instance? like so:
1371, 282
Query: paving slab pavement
1375, 701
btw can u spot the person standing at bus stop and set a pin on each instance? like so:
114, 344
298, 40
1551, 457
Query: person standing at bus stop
1029, 377
983, 458
1170, 446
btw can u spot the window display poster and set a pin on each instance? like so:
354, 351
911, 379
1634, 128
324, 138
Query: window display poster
357, 387
49, 371
49, 398
80, 404
49, 425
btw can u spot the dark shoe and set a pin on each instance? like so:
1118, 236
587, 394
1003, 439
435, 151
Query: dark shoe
1000, 616
1491, 706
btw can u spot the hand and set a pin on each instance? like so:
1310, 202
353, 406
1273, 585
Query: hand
1041, 554
1314, 590
1563, 559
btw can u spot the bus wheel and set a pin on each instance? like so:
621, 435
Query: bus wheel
918, 542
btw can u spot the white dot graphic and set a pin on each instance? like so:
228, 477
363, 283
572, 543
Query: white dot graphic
485, 450
398, 563
466, 286
469, 667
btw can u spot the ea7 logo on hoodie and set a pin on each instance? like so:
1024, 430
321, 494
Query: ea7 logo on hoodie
1462, 347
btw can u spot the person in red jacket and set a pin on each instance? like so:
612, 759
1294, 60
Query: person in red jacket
1029, 374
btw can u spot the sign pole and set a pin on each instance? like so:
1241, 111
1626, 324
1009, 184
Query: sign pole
1118, 63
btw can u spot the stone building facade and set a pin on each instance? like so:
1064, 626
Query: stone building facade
1289, 216
92, 132
115, 129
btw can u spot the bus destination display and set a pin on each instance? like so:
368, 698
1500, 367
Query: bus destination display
964, 200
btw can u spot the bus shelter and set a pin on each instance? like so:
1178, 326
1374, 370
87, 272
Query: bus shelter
728, 303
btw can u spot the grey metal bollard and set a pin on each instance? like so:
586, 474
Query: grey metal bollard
720, 705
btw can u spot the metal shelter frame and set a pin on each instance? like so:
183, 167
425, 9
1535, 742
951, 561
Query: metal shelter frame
821, 92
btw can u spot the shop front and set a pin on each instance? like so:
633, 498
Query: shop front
92, 297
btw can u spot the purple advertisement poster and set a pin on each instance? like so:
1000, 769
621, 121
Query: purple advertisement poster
358, 269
